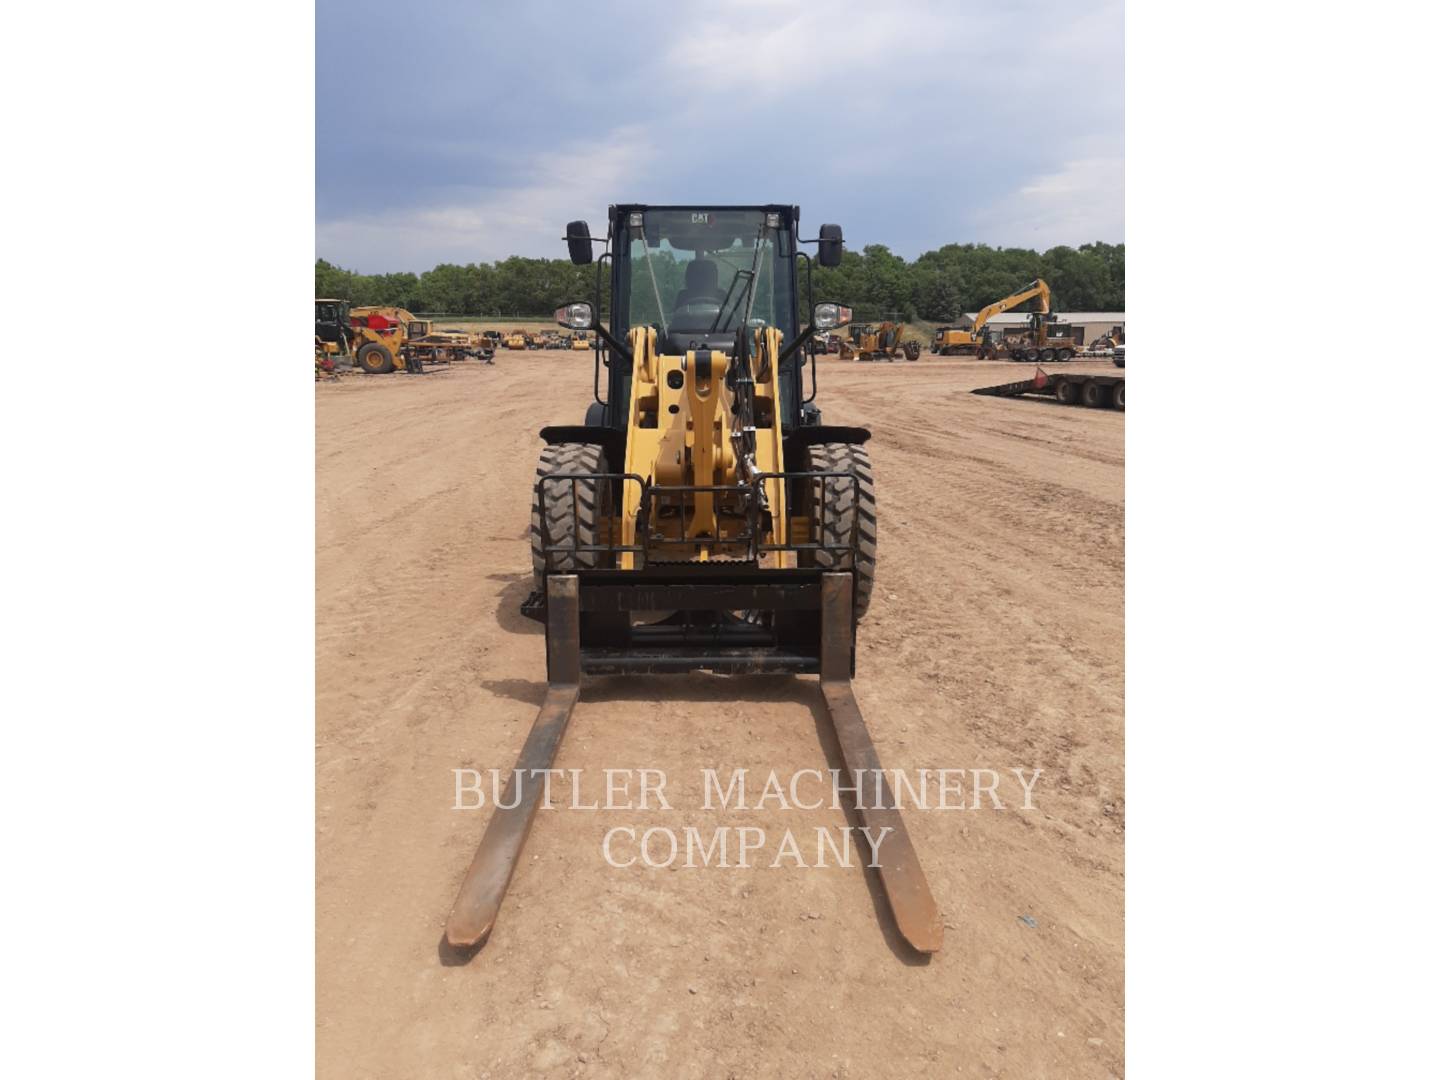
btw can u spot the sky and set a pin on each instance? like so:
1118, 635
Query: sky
470, 130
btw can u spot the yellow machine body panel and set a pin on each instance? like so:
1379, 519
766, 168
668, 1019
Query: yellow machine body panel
680, 435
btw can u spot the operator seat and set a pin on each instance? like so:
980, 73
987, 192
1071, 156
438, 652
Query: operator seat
702, 283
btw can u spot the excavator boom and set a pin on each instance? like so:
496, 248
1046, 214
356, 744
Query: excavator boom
1014, 300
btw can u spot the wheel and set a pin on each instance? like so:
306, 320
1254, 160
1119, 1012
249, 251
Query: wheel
847, 507
1064, 355
1095, 394
375, 359
1117, 399
1032, 355
1047, 355
567, 520
1067, 392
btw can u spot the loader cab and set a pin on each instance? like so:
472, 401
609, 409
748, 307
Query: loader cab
697, 274
332, 321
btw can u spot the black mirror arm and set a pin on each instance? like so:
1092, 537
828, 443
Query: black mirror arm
612, 343
798, 343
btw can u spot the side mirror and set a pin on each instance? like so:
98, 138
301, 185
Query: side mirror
832, 245
577, 316
830, 316
577, 235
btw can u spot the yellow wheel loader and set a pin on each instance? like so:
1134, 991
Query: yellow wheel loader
702, 517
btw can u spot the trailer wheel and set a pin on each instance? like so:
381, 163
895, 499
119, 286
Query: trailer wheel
1118, 397
568, 520
1067, 392
1032, 355
1096, 395
375, 359
1047, 355
848, 517
1064, 355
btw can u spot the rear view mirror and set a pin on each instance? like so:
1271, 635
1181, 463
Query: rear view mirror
577, 235
830, 316
577, 316
832, 245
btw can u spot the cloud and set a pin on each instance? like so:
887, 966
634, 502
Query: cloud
762, 56
1083, 200
914, 123
577, 181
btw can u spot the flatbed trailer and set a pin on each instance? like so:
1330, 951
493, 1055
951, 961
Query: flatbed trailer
1069, 388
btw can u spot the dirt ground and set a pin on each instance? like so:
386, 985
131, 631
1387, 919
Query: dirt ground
995, 640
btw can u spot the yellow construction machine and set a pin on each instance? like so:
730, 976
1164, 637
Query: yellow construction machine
517, 339
953, 341
385, 338
879, 343
1042, 341
703, 517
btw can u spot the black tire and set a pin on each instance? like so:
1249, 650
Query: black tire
1067, 392
1032, 355
374, 359
568, 520
1095, 395
847, 507
1047, 355
1117, 399
1064, 355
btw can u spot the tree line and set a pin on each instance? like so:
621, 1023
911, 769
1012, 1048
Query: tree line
938, 286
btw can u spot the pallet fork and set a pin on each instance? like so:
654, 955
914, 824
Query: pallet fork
478, 904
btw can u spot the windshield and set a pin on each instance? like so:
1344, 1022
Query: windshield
690, 271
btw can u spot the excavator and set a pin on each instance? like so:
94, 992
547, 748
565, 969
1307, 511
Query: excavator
952, 341
703, 517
